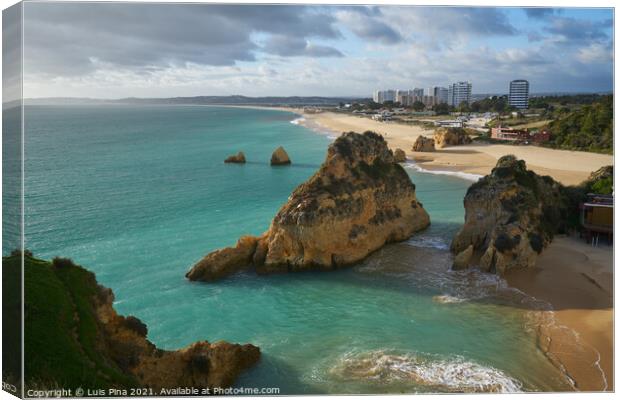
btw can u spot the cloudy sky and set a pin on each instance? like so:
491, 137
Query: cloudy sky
109, 50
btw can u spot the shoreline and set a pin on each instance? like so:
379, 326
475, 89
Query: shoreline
567, 167
576, 338
576, 331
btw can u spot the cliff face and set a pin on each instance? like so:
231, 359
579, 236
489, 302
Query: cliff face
359, 200
74, 338
510, 216
424, 144
451, 137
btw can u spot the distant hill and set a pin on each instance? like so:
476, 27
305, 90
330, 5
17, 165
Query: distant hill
205, 100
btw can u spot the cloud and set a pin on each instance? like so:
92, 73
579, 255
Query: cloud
287, 46
572, 30
63, 39
366, 23
139, 49
539, 12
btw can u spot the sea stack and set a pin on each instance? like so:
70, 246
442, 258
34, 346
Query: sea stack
451, 137
359, 200
280, 157
239, 158
424, 144
510, 216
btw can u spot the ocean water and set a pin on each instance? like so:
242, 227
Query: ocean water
138, 194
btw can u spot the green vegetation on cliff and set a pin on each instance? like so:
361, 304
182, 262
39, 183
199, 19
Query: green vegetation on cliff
61, 328
74, 338
588, 128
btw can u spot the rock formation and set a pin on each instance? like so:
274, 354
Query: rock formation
424, 144
70, 317
359, 200
400, 156
510, 216
451, 137
239, 158
199, 365
279, 157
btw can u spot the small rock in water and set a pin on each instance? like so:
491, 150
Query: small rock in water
239, 158
280, 157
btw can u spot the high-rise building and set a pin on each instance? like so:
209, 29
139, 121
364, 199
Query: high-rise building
389, 95
459, 92
519, 94
418, 94
377, 96
441, 95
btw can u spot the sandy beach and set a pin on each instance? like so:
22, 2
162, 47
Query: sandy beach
568, 167
576, 280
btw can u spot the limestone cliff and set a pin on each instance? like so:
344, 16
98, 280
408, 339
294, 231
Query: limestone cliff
450, 137
510, 216
424, 144
74, 338
359, 200
400, 156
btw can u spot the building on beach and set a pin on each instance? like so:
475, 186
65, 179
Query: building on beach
597, 217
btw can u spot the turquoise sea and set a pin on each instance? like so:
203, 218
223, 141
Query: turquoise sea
138, 194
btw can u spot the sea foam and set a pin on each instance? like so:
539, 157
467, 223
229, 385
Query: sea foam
451, 374
458, 174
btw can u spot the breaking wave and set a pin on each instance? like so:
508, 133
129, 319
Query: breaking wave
298, 121
458, 174
453, 374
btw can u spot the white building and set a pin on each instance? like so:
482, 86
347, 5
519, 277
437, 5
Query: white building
519, 94
459, 92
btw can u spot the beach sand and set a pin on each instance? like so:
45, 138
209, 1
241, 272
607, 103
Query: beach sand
568, 167
576, 279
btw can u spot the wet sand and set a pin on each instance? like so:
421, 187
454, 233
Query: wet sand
577, 281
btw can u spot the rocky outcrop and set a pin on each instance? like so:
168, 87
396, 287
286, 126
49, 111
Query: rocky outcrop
400, 156
280, 157
239, 158
424, 144
510, 216
199, 365
72, 317
359, 200
462, 260
451, 137
226, 261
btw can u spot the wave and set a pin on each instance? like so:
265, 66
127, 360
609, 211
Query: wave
459, 174
451, 374
435, 242
447, 299
298, 121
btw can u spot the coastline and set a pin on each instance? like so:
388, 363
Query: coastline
567, 167
576, 331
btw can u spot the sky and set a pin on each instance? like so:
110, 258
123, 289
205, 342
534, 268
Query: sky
115, 50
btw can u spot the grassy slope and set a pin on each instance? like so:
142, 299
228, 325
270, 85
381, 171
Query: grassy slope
63, 342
